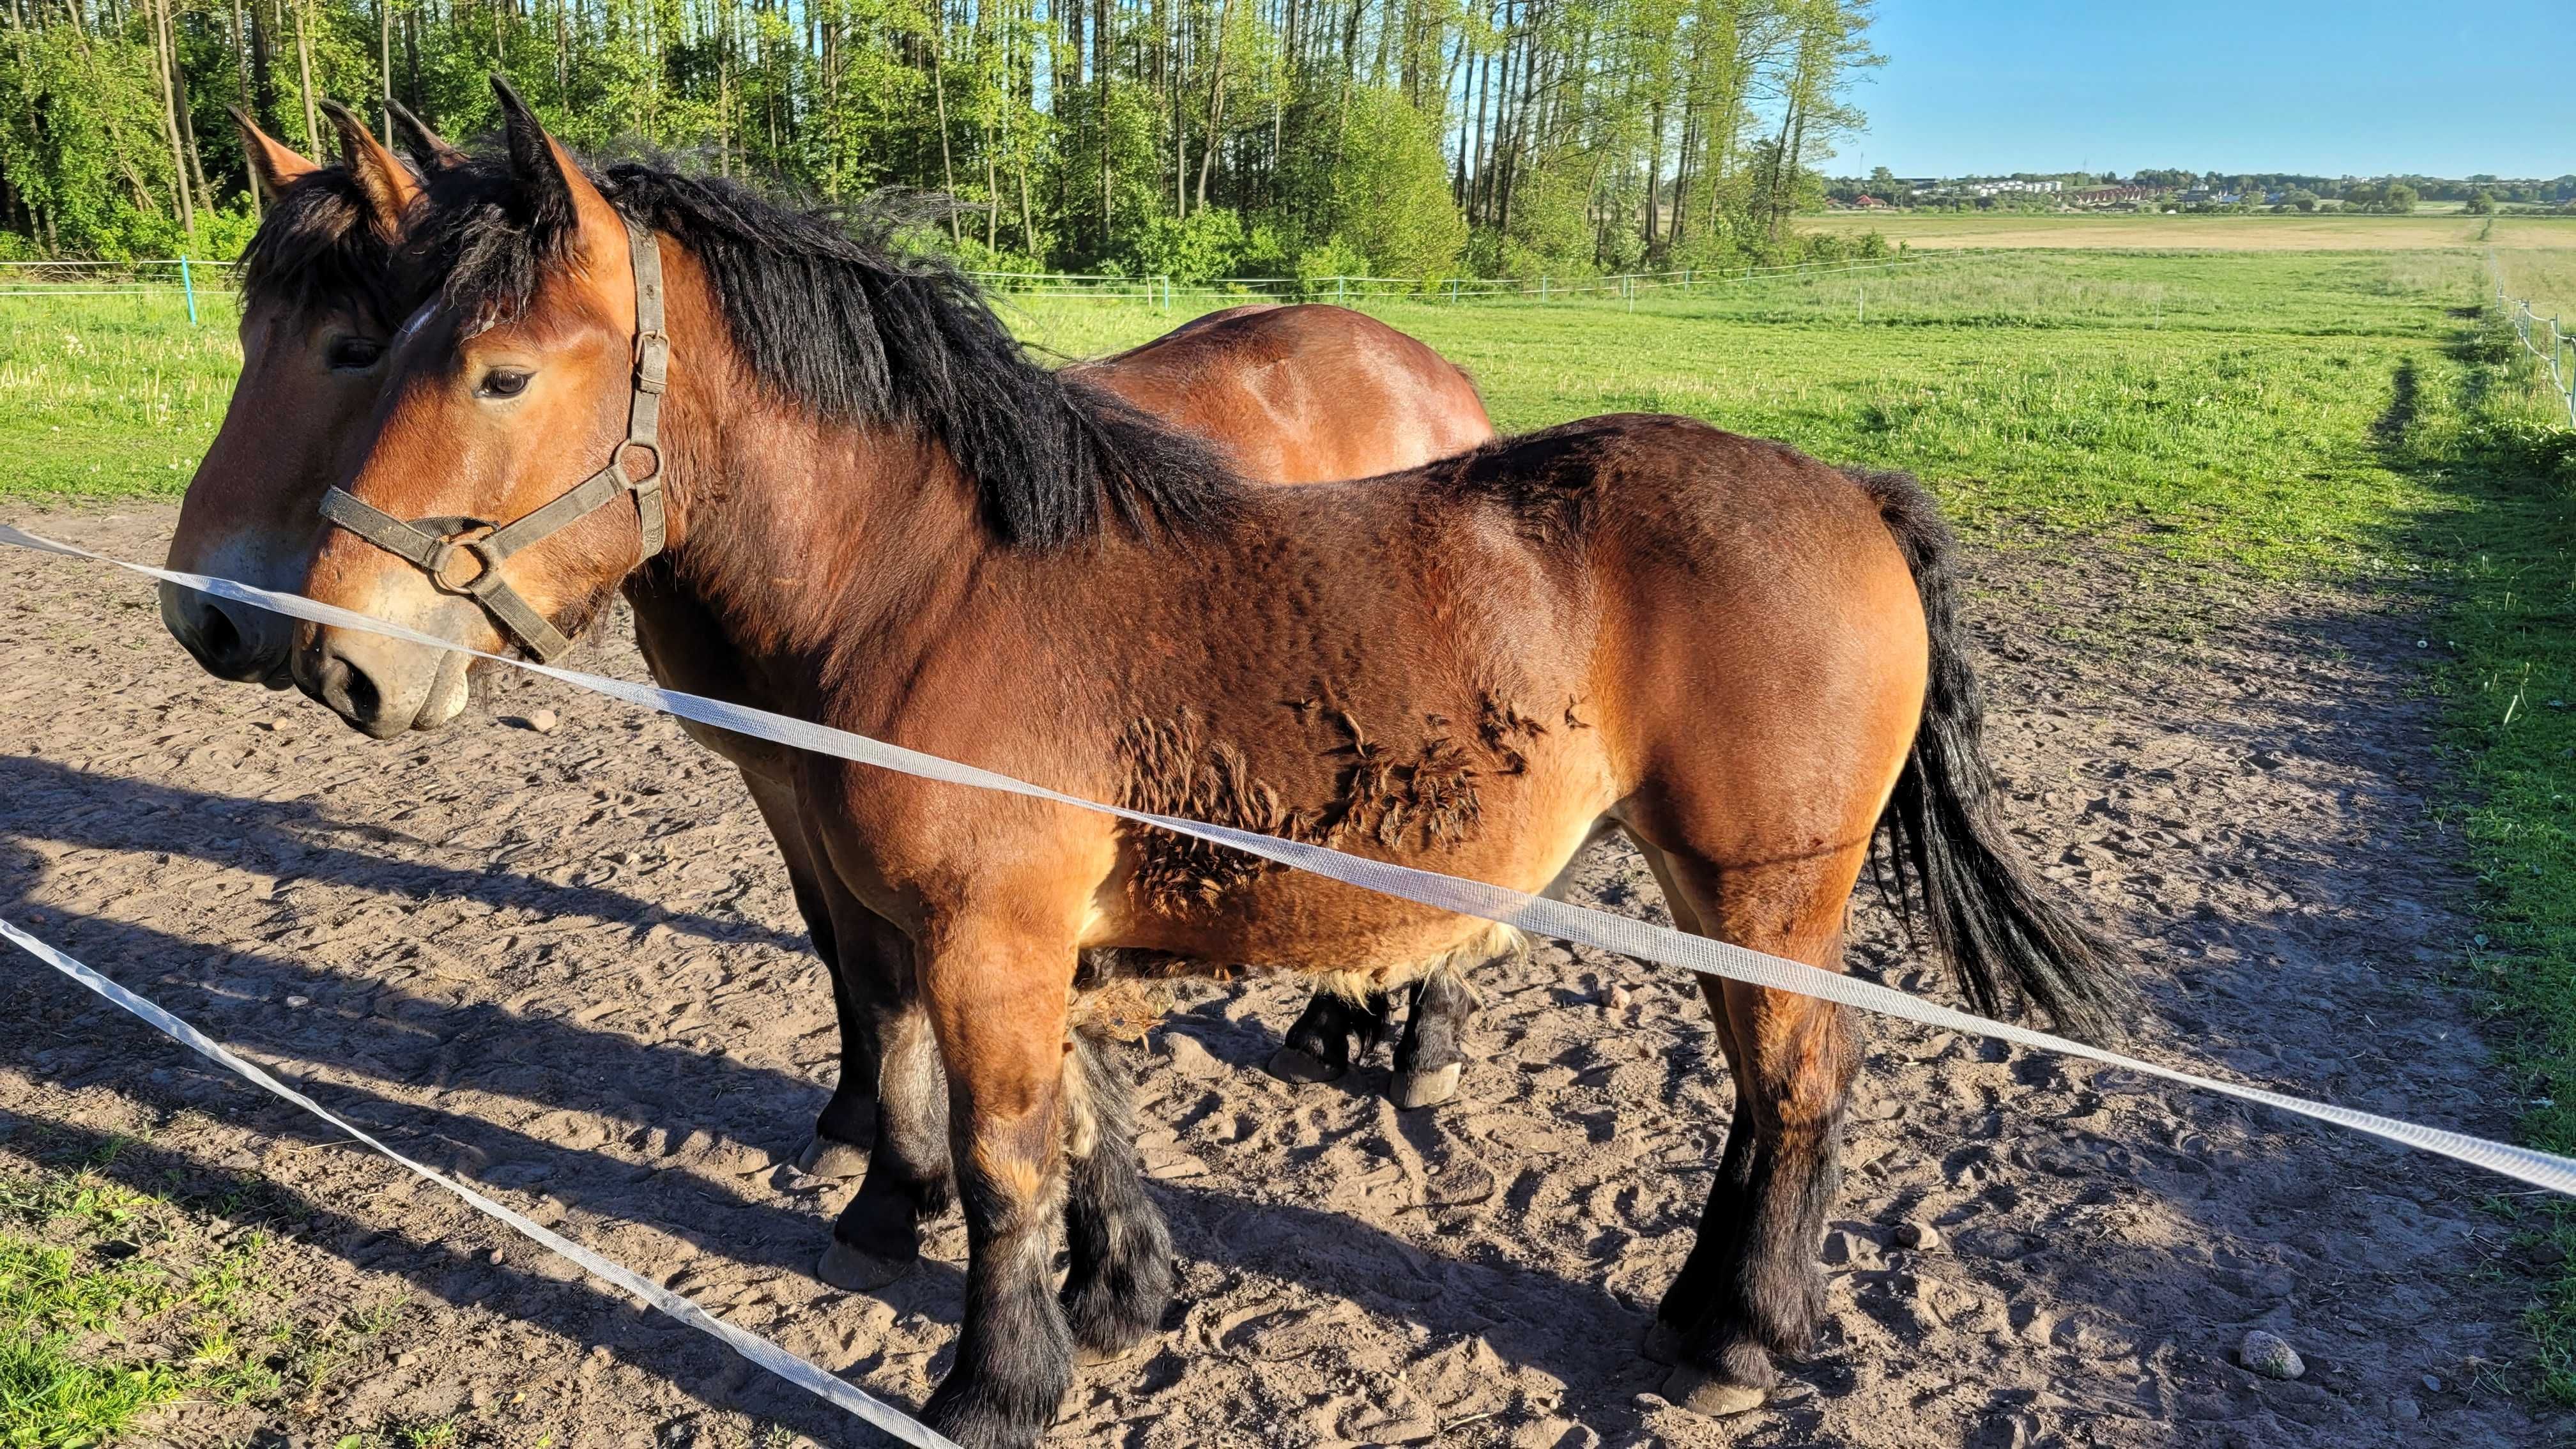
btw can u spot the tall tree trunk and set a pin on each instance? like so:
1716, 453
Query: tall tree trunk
1654, 178
1100, 62
992, 198
243, 96
947, 165
1216, 104
263, 82
163, 66
304, 77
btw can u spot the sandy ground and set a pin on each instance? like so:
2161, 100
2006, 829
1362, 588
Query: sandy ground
565, 964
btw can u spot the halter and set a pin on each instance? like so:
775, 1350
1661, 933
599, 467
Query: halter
434, 545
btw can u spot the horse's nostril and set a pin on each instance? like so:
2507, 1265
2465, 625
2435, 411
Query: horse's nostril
364, 702
217, 638
348, 691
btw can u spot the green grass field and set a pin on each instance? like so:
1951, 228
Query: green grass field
2267, 408
2225, 403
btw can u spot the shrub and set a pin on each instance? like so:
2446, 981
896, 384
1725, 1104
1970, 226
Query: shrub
1206, 245
1393, 204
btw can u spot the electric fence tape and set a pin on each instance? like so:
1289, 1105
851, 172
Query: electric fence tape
797, 1371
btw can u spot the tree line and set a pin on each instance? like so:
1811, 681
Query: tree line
1189, 138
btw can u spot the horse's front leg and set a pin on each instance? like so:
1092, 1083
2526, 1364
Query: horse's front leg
996, 991
1431, 1056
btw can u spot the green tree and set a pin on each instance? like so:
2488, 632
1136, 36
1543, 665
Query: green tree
1422, 135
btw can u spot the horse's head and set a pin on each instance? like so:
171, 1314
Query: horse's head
514, 411
317, 314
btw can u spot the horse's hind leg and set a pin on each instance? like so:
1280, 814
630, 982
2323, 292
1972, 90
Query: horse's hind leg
878, 1234
1431, 1056
847, 1123
1331, 1033
1751, 1286
1121, 1274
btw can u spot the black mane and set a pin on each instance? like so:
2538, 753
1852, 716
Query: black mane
317, 247
832, 317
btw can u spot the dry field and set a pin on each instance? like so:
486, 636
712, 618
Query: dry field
1946, 230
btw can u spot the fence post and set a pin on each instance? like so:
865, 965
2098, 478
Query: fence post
1342, 290
188, 284
1542, 286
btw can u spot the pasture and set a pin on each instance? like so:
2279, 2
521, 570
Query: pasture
2270, 572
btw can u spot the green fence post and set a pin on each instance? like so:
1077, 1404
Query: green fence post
1341, 289
1542, 286
188, 284
1453, 291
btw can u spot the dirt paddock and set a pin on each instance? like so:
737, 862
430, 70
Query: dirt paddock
564, 963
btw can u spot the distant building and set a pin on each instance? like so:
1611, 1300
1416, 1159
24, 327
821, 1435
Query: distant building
2115, 195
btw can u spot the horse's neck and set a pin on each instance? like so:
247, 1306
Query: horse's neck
810, 550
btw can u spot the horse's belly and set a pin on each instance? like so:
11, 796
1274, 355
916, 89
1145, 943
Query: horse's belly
1226, 910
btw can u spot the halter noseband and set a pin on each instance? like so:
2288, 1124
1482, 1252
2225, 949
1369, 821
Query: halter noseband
432, 545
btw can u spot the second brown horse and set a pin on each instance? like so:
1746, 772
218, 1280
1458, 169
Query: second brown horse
1295, 394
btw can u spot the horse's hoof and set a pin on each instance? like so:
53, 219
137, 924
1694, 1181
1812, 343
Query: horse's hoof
1090, 1357
1296, 1064
1426, 1089
827, 1158
1703, 1393
1662, 1344
856, 1270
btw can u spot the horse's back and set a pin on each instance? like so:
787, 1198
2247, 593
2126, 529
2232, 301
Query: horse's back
1303, 394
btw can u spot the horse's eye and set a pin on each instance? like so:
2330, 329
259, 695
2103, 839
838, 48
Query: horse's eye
504, 382
355, 354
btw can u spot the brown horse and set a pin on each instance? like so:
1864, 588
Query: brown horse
1745, 660
1296, 394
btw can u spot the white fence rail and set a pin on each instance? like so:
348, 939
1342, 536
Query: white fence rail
190, 277
1625, 287
2545, 338
166, 276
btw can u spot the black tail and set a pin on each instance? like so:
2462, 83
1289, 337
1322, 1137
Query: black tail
1954, 869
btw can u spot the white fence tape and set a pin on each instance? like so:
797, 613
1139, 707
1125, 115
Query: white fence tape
1639, 939
752, 1346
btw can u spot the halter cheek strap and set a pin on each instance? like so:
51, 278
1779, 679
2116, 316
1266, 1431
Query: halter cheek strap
463, 556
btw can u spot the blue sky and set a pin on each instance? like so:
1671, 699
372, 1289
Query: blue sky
2364, 88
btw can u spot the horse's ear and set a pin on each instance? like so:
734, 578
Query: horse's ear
276, 165
389, 185
562, 198
427, 147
